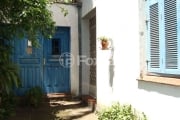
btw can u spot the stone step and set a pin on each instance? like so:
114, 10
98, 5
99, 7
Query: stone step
58, 96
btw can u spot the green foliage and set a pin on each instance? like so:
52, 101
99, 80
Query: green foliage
63, 1
33, 97
104, 38
9, 77
9, 73
63, 10
25, 18
7, 105
120, 112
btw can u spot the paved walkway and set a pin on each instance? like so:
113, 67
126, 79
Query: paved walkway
56, 109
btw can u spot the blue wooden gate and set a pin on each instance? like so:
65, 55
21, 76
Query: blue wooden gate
41, 66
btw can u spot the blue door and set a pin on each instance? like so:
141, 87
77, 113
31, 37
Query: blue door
41, 66
30, 64
56, 75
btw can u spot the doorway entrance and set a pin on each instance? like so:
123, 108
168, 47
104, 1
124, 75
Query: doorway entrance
41, 66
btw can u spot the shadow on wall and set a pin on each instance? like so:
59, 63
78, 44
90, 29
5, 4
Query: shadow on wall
160, 88
111, 67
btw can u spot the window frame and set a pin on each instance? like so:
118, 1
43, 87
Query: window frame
162, 45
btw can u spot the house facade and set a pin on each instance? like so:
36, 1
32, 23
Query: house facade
141, 67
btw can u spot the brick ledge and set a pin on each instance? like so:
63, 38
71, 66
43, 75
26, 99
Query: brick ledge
91, 101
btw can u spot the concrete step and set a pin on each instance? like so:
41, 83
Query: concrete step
58, 95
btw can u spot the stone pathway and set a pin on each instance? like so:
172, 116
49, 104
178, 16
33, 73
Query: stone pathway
56, 109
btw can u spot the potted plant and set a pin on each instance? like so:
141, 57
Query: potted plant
104, 42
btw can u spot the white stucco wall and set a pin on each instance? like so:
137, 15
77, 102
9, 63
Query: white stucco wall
71, 20
85, 53
120, 23
119, 20
87, 6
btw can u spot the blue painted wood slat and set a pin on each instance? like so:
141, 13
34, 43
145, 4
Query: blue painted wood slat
42, 67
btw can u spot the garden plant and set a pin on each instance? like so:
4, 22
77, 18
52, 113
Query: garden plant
120, 112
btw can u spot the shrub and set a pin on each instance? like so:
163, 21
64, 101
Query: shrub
7, 105
120, 112
9, 72
33, 96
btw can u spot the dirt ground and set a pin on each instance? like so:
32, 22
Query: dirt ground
56, 109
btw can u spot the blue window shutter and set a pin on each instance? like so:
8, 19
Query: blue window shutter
172, 51
178, 33
153, 36
164, 36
